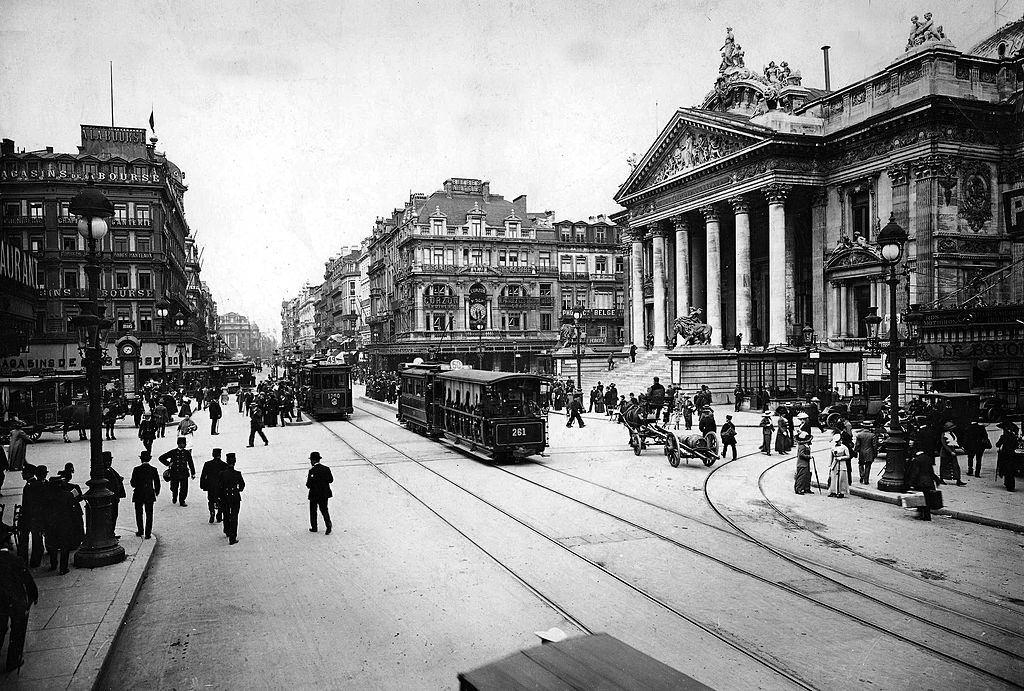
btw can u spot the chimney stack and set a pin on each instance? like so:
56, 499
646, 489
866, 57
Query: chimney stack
6, 147
828, 81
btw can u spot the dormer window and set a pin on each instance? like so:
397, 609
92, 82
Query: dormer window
599, 234
565, 233
581, 233
437, 226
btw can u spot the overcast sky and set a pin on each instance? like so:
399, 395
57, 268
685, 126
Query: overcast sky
298, 123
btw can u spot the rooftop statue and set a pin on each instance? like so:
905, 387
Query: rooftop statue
923, 31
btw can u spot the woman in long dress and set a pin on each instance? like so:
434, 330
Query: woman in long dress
782, 441
16, 451
802, 480
838, 479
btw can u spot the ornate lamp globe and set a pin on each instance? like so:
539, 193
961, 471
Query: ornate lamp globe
891, 240
92, 208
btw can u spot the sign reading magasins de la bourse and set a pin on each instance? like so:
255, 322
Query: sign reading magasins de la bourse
80, 293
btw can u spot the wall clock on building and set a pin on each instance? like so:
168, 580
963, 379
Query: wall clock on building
127, 350
477, 311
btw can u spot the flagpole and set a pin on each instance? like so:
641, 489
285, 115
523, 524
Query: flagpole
111, 93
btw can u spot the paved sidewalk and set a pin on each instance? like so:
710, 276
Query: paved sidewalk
72, 629
983, 500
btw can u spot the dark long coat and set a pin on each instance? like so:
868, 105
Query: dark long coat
319, 482
65, 523
146, 484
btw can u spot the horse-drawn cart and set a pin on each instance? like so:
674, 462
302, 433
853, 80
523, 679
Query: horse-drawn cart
645, 431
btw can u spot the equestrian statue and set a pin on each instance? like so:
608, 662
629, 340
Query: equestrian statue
691, 330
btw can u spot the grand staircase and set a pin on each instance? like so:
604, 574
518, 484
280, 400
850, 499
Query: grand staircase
637, 377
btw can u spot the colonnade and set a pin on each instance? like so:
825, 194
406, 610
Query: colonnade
697, 277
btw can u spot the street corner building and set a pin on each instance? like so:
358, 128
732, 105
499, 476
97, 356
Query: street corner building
466, 274
753, 220
148, 259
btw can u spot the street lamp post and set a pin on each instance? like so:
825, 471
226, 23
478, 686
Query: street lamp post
179, 323
162, 310
480, 346
891, 240
577, 316
101, 547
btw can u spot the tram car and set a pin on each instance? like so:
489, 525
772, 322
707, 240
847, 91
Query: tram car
325, 391
33, 403
496, 415
231, 371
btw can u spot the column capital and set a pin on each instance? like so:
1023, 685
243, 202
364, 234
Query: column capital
680, 223
710, 213
635, 235
899, 173
819, 196
740, 205
651, 230
776, 193
936, 166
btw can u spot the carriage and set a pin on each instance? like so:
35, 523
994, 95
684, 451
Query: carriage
33, 403
645, 431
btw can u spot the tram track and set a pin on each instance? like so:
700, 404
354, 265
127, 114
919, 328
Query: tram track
800, 560
746, 572
757, 656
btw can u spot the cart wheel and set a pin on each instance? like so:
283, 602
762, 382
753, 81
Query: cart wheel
34, 435
709, 459
833, 419
993, 413
711, 438
672, 450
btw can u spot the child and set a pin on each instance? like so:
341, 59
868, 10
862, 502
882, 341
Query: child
186, 426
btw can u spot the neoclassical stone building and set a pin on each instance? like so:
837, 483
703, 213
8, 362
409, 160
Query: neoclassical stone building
761, 206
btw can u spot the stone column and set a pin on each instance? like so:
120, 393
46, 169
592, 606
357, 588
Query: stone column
713, 271
776, 195
659, 282
744, 323
417, 309
682, 228
832, 325
844, 310
820, 295
637, 286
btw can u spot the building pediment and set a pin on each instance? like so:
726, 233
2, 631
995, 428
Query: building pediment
691, 141
850, 255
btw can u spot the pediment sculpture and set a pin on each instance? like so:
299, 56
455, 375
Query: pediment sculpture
690, 150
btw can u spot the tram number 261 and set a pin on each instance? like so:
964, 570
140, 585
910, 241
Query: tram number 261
518, 432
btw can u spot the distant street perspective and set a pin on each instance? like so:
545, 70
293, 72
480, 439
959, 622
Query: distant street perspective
402, 402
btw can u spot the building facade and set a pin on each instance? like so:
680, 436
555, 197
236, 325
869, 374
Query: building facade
466, 274
143, 256
761, 207
341, 306
241, 336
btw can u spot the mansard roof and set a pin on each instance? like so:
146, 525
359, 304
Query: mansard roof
1010, 36
457, 207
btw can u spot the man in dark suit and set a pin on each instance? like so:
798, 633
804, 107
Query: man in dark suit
115, 483
215, 415
34, 509
231, 486
209, 480
179, 462
319, 484
146, 485
18, 593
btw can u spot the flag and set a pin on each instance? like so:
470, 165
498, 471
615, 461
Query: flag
152, 125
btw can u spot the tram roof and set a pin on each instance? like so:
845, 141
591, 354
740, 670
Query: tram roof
326, 365
486, 377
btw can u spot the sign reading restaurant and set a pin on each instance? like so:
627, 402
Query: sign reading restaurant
17, 266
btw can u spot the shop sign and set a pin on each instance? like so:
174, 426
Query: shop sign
64, 357
17, 265
83, 293
477, 293
1013, 205
440, 301
975, 351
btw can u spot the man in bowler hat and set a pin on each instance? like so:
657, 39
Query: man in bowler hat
231, 486
319, 484
146, 485
209, 481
